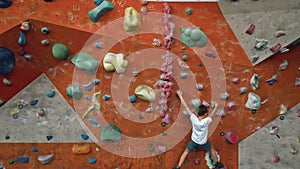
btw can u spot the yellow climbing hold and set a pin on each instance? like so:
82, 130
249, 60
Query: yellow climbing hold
15, 111
131, 19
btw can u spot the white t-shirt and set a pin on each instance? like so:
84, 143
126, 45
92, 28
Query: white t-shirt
200, 129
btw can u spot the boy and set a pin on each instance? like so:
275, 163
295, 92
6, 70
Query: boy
200, 125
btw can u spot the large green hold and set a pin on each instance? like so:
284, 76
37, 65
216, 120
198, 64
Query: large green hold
85, 62
60, 51
110, 132
100, 10
193, 36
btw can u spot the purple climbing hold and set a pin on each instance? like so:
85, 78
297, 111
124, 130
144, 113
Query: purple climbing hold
297, 83
272, 80
197, 161
283, 65
235, 80
231, 106
210, 54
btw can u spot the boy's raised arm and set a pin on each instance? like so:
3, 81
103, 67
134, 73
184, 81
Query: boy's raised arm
179, 94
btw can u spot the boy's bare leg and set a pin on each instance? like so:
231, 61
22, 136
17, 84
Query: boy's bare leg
183, 156
213, 154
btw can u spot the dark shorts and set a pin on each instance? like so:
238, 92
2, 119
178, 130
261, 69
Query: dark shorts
193, 146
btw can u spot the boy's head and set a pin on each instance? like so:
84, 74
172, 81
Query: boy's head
202, 110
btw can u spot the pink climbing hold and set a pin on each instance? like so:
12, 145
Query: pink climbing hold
279, 33
232, 137
250, 29
235, 80
231, 106
275, 48
197, 161
276, 159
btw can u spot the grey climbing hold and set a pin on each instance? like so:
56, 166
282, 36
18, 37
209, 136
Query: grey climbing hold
7, 60
196, 103
297, 82
27, 56
98, 45
45, 30
253, 102
199, 86
45, 159
110, 132
186, 115
224, 96
221, 113
243, 90
149, 109
210, 54
89, 86
6, 82
283, 65
272, 80
235, 80
162, 149
135, 73
45, 42
22, 39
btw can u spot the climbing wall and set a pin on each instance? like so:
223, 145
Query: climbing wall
262, 148
21, 123
269, 17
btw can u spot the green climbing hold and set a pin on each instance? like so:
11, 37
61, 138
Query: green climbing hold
183, 75
110, 132
100, 10
74, 91
60, 51
184, 57
151, 149
193, 36
85, 62
11, 161
260, 44
189, 11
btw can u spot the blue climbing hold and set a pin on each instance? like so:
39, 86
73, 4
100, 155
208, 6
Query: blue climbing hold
22, 159
7, 60
94, 123
15, 116
22, 39
34, 149
98, 2
49, 138
92, 160
84, 137
33, 102
132, 99
183, 75
87, 97
98, 45
5, 3
96, 81
50, 93
20, 106
106, 97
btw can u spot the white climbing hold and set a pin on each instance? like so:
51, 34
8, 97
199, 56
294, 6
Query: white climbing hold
253, 102
283, 65
283, 109
6, 82
45, 159
255, 81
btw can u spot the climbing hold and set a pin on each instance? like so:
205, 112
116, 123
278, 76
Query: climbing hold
50, 93
89, 86
221, 113
97, 149
235, 80
5, 3
283, 65
224, 96
255, 81
11, 162
293, 151
131, 19
193, 36
21, 51
149, 109
253, 111
151, 149
34, 149
184, 57
87, 97
60, 51
84, 136
7, 60
197, 161
22, 39
45, 42
274, 130
281, 117
213, 104
106, 97
45, 159
164, 133
41, 112
100, 10
275, 48
85, 62
98, 45
140, 116
110, 132
200, 64
186, 115
27, 56
250, 29
232, 137
135, 73
272, 80
20, 106
231, 106
76, 91
254, 58
81, 149
33, 102
49, 138
196, 103
144, 2
276, 159
115, 62
145, 93
156, 42
15, 116
210, 54
283, 109
132, 98
94, 123
199, 86
188, 11
23, 159
7, 137
222, 134
14, 111
1, 102
25, 26
253, 102
96, 81
45, 30
92, 160
260, 44
279, 33
163, 124
98, 2
6, 82
162, 149
243, 90
297, 82
183, 75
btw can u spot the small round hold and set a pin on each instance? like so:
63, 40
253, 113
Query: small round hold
184, 57
45, 42
276, 159
253, 111
41, 112
15, 116
7, 137
200, 64
222, 134
45, 30
11, 161
163, 124
281, 117
20, 106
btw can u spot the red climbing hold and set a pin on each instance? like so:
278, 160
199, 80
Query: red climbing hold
232, 137
250, 29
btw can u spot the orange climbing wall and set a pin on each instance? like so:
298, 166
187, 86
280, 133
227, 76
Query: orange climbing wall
73, 14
